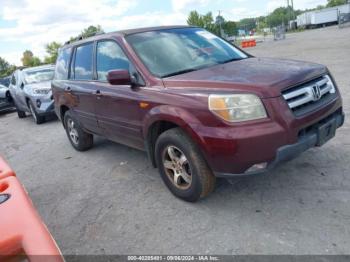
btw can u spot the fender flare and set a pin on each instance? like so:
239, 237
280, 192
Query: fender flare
179, 116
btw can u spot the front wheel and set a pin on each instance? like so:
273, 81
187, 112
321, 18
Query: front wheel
79, 139
182, 166
20, 113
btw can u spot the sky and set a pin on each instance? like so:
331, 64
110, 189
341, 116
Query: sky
31, 24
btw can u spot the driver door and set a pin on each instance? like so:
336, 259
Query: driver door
117, 106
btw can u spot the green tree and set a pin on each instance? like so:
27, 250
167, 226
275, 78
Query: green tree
87, 32
204, 21
230, 28
5, 68
29, 59
36, 61
195, 19
332, 3
207, 22
91, 31
261, 25
247, 24
52, 50
280, 16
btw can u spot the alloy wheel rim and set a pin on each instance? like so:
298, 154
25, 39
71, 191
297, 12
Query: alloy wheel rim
73, 132
177, 167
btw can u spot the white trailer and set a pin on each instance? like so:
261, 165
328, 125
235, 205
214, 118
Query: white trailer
324, 17
321, 17
304, 19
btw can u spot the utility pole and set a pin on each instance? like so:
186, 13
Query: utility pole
220, 20
288, 10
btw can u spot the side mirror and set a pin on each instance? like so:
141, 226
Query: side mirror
119, 77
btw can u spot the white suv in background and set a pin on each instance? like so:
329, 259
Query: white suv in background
30, 89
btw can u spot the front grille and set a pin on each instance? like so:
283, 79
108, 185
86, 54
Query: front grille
310, 96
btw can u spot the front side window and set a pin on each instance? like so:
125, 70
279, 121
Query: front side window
174, 51
13, 80
83, 62
109, 56
62, 64
37, 76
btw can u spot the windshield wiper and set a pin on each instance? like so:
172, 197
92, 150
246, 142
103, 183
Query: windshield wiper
181, 72
231, 60
189, 70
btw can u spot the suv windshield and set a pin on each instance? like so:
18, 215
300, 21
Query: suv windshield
175, 51
42, 75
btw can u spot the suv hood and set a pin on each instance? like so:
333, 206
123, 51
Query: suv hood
39, 85
265, 77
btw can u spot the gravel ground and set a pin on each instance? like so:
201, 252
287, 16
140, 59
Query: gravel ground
110, 200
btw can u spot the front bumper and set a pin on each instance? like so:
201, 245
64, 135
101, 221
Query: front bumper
44, 105
285, 153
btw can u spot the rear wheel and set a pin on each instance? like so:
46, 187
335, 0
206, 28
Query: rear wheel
182, 166
37, 118
79, 139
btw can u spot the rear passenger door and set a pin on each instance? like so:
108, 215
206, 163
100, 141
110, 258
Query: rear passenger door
16, 90
117, 110
82, 87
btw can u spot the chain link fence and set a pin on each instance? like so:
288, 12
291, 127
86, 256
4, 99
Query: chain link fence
279, 33
344, 20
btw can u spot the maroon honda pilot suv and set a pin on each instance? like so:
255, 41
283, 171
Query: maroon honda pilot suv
200, 107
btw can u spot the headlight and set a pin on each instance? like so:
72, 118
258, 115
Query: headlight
237, 107
41, 91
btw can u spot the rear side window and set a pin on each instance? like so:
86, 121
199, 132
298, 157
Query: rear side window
83, 62
62, 64
110, 56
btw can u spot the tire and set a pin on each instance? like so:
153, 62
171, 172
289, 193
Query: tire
194, 179
9, 97
20, 113
84, 140
36, 117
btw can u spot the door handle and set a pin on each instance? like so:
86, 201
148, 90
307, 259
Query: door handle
98, 94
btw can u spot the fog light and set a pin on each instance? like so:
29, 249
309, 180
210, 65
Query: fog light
257, 168
38, 103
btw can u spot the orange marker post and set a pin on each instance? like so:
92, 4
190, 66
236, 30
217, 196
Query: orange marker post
22, 232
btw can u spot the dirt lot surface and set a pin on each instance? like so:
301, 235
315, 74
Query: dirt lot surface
110, 200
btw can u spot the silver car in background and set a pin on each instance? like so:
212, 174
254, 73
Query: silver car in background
6, 101
30, 89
